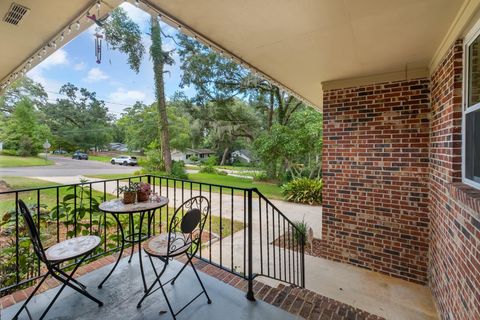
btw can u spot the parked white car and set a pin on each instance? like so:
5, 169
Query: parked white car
124, 160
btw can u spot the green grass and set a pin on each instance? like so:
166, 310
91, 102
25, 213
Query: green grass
235, 168
15, 161
270, 190
100, 158
48, 197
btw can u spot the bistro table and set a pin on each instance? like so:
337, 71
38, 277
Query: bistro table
116, 208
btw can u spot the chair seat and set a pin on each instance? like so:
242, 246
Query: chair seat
72, 248
158, 245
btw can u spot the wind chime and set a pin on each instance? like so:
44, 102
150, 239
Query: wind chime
98, 36
98, 47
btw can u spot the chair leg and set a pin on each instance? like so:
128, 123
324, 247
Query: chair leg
24, 305
58, 270
181, 270
66, 282
79, 290
168, 302
158, 276
53, 300
201, 283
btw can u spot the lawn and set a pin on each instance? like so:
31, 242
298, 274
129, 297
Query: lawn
270, 190
15, 161
100, 158
48, 197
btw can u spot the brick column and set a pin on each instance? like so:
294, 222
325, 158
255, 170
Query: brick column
376, 170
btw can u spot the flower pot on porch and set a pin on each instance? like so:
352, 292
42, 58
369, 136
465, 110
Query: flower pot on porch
143, 196
129, 197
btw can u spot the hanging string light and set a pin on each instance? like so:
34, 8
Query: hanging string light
169, 20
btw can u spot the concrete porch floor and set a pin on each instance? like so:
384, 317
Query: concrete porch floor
123, 290
385, 296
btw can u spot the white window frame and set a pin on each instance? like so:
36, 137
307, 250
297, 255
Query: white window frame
471, 36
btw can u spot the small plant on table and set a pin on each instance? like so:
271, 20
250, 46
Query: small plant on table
129, 192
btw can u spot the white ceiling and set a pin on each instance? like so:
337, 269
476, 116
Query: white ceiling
300, 43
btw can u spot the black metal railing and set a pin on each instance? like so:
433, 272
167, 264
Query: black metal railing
246, 234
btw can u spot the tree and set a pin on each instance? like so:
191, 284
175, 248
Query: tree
228, 122
20, 89
22, 131
139, 125
217, 78
125, 35
294, 149
160, 58
78, 121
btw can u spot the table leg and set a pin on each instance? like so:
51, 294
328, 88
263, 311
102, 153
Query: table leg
132, 232
121, 251
140, 250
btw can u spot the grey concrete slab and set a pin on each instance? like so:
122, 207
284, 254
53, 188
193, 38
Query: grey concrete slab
124, 289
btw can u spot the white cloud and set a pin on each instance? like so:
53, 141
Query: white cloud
79, 66
59, 57
126, 96
95, 75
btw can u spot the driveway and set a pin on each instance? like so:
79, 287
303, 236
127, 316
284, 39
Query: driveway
67, 167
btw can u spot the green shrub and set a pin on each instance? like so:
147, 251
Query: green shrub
303, 190
193, 158
153, 160
208, 166
260, 176
9, 152
301, 229
178, 170
208, 169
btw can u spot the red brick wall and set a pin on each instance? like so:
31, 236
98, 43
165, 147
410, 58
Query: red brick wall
375, 171
454, 258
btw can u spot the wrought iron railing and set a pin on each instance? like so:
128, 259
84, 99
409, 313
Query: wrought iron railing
246, 234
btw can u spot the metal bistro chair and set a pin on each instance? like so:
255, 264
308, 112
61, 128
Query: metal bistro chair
183, 237
78, 248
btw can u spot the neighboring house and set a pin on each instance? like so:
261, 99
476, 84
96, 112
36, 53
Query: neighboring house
242, 155
122, 147
185, 155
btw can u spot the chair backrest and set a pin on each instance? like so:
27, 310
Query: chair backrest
195, 212
32, 231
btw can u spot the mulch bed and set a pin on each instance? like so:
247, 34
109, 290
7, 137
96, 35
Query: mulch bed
312, 249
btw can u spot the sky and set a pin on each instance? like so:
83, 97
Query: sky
112, 79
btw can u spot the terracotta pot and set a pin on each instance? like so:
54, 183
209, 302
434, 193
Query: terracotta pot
142, 196
129, 197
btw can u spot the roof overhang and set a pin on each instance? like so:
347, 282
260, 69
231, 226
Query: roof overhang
298, 44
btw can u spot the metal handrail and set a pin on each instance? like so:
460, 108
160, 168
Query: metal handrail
275, 260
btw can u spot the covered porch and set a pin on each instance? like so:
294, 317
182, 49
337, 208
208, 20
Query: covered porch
124, 289
392, 80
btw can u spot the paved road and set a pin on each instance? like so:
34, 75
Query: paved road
67, 167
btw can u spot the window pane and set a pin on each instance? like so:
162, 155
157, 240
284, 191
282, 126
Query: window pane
472, 146
474, 72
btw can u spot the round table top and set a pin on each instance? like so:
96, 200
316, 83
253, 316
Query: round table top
117, 206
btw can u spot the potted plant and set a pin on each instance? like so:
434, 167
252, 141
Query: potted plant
129, 192
144, 191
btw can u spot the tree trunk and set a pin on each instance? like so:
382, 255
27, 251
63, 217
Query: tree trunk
271, 110
224, 156
157, 55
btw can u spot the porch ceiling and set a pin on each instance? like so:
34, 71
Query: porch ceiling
299, 43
